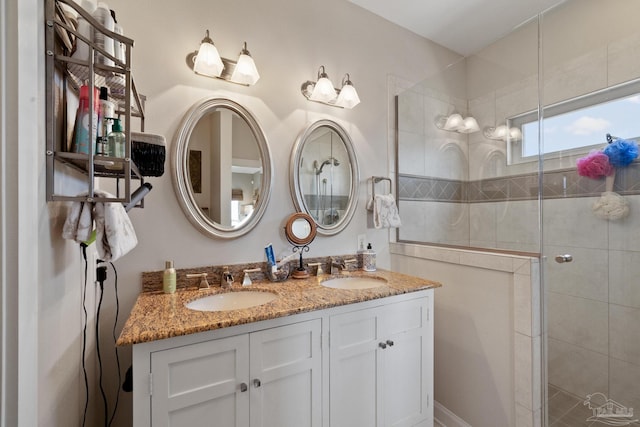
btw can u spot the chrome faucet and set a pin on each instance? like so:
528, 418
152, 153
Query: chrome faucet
226, 279
340, 265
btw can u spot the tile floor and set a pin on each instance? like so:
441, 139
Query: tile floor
567, 410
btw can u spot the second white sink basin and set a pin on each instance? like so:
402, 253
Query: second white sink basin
231, 301
354, 283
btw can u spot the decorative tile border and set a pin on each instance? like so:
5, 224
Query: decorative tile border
563, 183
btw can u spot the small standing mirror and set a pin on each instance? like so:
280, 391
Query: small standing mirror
300, 231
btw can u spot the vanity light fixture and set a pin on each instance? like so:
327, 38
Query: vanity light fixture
324, 92
503, 133
207, 61
455, 123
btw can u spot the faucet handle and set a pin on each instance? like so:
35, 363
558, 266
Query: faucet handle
246, 281
203, 279
319, 270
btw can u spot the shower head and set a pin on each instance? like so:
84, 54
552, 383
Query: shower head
330, 160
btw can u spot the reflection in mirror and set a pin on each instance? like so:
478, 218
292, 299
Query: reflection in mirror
324, 176
225, 168
301, 228
222, 168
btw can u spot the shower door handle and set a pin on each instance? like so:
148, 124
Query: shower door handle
564, 258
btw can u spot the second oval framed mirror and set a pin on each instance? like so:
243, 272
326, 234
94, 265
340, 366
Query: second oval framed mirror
221, 168
324, 176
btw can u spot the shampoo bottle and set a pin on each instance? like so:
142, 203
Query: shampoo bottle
86, 118
102, 14
369, 259
105, 121
169, 278
84, 28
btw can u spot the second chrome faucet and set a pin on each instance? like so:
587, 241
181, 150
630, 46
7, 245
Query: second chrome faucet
226, 279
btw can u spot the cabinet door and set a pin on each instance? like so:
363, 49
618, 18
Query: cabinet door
285, 371
381, 366
200, 384
407, 370
354, 375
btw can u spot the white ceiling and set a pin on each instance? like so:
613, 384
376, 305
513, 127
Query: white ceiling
464, 26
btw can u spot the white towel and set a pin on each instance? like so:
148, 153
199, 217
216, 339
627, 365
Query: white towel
385, 211
115, 235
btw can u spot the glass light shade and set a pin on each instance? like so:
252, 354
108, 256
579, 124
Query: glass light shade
453, 122
469, 125
208, 60
515, 134
245, 71
500, 132
348, 97
323, 90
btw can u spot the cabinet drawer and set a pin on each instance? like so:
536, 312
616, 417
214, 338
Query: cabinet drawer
405, 316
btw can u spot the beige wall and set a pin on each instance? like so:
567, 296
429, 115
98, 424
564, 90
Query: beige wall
289, 42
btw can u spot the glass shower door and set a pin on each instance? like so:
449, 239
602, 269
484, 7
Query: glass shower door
590, 71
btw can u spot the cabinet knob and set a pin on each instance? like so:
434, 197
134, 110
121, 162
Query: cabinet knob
390, 343
382, 345
243, 387
256, 383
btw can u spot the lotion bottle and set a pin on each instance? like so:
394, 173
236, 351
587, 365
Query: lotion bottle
169, 278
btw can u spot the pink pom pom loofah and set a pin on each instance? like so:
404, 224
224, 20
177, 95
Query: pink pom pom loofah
595, 165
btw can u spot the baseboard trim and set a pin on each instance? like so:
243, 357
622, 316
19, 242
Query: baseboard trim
447, 418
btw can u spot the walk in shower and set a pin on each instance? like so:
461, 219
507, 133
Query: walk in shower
543, 96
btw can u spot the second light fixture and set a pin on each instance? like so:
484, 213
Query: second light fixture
324, 92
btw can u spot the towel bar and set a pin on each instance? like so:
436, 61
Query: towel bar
374, 181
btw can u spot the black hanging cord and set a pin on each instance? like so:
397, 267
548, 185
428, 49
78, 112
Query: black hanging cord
102, 276
83, 251
115, 323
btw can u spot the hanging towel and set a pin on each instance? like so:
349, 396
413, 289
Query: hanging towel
79, 223
385, 211
115, 235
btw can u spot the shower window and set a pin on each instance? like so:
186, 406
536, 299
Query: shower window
575, 126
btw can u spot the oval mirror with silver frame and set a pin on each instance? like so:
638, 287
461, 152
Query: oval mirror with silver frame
324, 176
221, 168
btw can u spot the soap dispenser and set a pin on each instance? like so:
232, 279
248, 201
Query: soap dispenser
369, 259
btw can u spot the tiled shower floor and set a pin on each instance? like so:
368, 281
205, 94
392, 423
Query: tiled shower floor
567, 410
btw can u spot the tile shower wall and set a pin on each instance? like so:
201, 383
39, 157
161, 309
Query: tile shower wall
593, 303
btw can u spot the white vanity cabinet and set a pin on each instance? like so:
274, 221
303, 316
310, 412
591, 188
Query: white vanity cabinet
367, 364
268, 378
381, 366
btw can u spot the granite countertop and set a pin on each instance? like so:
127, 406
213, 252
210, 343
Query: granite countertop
157, 316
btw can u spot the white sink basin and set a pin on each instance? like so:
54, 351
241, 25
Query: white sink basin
354, 283
231, 301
